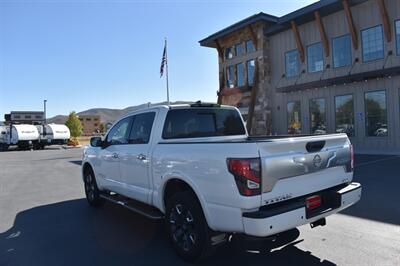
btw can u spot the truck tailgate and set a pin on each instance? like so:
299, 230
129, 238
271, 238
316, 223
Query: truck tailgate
296, 166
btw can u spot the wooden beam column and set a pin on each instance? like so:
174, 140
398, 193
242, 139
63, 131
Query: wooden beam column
219, 50
322, 32
221, 74
253, 36
385, 19
253, 98
350, 23
298, 40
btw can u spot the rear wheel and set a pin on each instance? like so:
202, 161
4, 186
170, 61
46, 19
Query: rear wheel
91, 190
187, 228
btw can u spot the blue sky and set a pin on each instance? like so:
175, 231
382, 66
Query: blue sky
86, 54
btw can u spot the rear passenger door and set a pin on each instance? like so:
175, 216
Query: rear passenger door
135, 158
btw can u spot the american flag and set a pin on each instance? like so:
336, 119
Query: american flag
163, 60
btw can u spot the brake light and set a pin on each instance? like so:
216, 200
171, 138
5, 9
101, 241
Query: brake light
247, 173
313, 202
351, 157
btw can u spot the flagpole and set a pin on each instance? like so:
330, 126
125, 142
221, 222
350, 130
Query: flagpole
166, 69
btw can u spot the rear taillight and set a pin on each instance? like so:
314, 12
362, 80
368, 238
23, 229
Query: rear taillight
247, 173
351, 157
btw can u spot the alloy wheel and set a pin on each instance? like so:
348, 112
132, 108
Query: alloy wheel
90, 187
183, 227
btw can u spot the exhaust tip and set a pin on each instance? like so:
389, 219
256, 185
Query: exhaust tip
320, 222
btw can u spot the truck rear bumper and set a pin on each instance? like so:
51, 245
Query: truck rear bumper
276, 218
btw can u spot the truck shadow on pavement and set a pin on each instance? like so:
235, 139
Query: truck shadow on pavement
77, 162
72, 233
379, 177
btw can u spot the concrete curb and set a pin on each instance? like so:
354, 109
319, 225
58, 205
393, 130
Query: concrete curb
72, 147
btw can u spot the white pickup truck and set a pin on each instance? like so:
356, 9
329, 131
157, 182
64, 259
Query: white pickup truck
196, 167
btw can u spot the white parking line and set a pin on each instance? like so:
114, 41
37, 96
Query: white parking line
376, 161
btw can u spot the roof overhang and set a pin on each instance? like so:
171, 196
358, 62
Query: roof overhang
26, 112
306, 14
381, 73
210, 40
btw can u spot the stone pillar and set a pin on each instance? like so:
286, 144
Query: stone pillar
262, 117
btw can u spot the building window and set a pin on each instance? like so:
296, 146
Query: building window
250, 46
251, 64
372, 43
240, 74
239, 49
38, 117
315, 60
294, 117
17, 117
28, 116
230, 76
317, 116
344, 114
95, 124
292, 63
229, 53
397, 26
341, 49
376, 114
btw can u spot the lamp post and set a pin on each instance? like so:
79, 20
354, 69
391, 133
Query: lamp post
44, 107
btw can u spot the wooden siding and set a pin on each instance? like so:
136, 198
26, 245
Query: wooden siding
365, 15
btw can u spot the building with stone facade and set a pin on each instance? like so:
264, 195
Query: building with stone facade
332, 66
90, 124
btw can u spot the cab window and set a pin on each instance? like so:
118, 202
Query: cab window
118, 134
141, 128
202, 122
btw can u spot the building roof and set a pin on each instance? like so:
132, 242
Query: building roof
306, 14
278, 24
26, 112
210, 40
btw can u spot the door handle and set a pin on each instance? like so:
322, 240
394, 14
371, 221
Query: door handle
115, 155
141, 157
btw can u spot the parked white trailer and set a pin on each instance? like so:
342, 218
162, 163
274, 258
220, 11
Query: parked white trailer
24, 136
52, 134
3, 138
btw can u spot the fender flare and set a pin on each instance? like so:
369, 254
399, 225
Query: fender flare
84, 165
191, 184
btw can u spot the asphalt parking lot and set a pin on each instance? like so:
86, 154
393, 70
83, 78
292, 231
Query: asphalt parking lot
45, 220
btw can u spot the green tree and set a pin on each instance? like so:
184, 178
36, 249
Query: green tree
74, 125
102, 128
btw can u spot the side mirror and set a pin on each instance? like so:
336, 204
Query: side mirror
96, 142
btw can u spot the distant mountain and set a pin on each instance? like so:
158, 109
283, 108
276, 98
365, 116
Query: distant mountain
107, 115
58, 119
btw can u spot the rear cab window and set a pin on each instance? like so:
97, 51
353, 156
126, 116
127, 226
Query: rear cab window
202, 122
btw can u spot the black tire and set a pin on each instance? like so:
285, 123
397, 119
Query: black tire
91, 190
3, 147
187, 227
